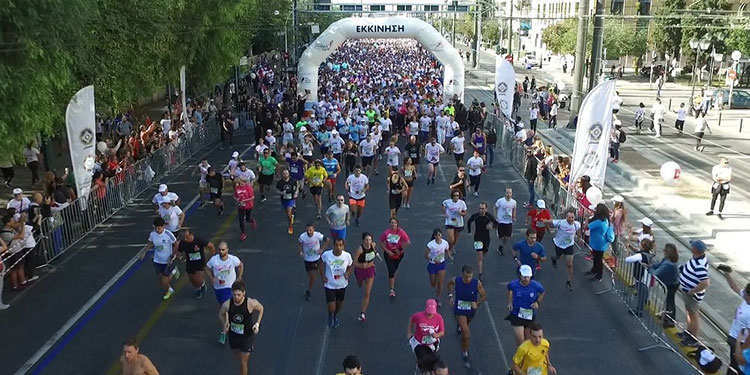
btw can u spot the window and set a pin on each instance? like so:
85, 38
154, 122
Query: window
351, 8
377, 8
617, 6
322, 5
431, 8
644, 8
577, 4
403, 8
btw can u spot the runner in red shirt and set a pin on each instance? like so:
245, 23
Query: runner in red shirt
426, 327
245, 197
393, 241
537, 219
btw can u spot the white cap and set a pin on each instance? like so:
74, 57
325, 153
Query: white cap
17, 191
592, 207
235, 154
540, 203
707, 356
647, 222
618, 198
303, 129
525, 271
162, 188
269, 131
334, 132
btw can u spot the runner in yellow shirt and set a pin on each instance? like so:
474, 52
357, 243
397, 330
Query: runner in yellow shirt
532, 356
316, 176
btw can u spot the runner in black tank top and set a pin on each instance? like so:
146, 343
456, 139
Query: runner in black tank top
241, 317
364, 271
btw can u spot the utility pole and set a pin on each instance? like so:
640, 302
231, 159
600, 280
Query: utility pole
596, 44
510, 30
477, 35
453, 24
580, 59
294, 31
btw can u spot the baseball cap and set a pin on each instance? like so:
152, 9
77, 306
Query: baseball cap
269, 131
235, 154
618, 198
162, 188
706, 357
525, 271
303, 129
430, 306
698, 245
647, 222
17, 191
540, 203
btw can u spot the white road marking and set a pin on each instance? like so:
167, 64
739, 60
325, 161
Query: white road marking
497, 334
323, 351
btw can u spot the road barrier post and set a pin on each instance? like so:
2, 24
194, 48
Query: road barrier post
741, 125
670, 104
719, 118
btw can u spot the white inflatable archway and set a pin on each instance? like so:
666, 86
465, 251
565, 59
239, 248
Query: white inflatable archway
380, 28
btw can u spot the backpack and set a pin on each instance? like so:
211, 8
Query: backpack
623, 137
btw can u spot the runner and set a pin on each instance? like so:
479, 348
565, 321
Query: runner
333, 167
426, 327
469, 295
337, 146
244, 173
539, 218
309, 245
223, 270
351, 151
367, 149
357, 185
413, 150
435, 255
288, 193
245, 198
410, 176
364, 270
479, 141
457, 145
315, 176
164, 194
203, 167
163, 243
432, 153
393, 154
335, 271
532, 357
529, 252
241, 317
297, 168
396, 190
234, 162
484, 222
524, 298
338, 218
564, 241
454, 210
193, 249
215, 183
475, 165
172, 215
267, 168
133, 362
506, 215
287, 132
393, 241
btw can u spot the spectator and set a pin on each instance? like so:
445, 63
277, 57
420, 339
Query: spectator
531, 174
601, 234
740, 323
641, 260
619, 216
19, 202
694, 280
14, 240
666, 271
6, 167
31, 154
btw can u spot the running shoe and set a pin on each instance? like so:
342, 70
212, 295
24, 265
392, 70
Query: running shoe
465, 358
307, 295
554, 262
500, 250
569, 284
290, 230
4, 306
168, 294
336, 323
392, 293
476, 193
292, 221
222, 338
362, 317
243, 237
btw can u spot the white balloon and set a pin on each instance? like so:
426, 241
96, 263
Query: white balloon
594, 195
101, 147
670, 173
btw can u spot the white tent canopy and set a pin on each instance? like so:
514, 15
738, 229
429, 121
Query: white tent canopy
379, 28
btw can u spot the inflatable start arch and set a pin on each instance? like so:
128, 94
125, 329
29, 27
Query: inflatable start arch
380, 28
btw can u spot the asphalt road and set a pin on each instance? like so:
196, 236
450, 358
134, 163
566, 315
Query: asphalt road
589, 334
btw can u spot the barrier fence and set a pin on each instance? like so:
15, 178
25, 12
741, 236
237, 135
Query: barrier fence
644, 295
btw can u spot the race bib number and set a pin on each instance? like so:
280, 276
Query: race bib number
287, 196
508, 213
294, 169
317, 180
478, 245
369, 256
440, 258
214, 190
464, 305
567, 241
407, 173
479, 144
237, 328
540, 224
311, 252
393, 238
428, 340
526, 314
534, 371
194, 256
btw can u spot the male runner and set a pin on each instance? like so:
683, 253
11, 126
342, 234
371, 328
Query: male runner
484, 221
506, 215
223, 270
215, 183
164, 194
338, 218
532, 357
528, 251
309, 249
288, 193
241, 317
133, 362
357, 185
297, 168
524, 298
564, 241
432, 153
457, 145
469, 294
333, 168
335, 271
163, 243
315, 176
367, 149
193, 249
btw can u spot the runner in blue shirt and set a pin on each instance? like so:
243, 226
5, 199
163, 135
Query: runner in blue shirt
524, 297
333, 168
529, 252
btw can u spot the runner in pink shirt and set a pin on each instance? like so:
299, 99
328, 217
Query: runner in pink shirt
393, 241
426, 327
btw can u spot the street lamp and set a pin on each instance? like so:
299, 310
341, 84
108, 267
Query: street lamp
736, 56
698, 46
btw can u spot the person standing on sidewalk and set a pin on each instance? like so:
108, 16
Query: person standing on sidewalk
533, 116
722, 176
531, 174
694, 280
601, 235
638, 117
741, 318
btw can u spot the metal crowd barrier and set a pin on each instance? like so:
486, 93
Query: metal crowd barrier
71, 222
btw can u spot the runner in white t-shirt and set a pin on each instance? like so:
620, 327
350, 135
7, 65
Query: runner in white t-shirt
309, 245
564, 241
335, 271
163, 243
457, 145
435, 255
506, 215
393, 154
367, 149
474, 166
432, 151
357, 185
223, 270
202, 185
172, 215
454, 210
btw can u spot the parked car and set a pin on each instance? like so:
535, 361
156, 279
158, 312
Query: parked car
740, 98
531, 60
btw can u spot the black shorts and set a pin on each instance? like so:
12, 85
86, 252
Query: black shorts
194, 266
474, 180
410, 183
518, 322
335, 295
265, 179
485, 245
311, 266
456, 229
214, 196
394, 201
242, 344
459, 157
366, 160
316, 190
559, 251
504, 230
392, 265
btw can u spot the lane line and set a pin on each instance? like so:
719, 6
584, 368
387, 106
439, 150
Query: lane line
497, 335
323, 351
95, 301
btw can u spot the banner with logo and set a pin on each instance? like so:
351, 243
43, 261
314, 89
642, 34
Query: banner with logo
505, 84
182, 92
591, 148
80, 118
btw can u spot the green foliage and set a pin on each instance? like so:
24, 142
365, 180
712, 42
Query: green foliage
665, 36
491, 31
739, 40
128, 49
561, 37
621, 38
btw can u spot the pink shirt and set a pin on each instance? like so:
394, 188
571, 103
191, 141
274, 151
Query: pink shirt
425, 324
395, 240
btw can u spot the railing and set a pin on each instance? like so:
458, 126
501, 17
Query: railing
645, 297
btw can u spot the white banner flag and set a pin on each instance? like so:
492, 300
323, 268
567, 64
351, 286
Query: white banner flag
80, 118
182, 92
591, 148
505, 85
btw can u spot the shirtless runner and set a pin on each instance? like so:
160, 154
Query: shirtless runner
135, 363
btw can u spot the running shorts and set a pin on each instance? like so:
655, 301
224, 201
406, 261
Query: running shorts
357, 202
559, 251
316, 190
223, 295
335, 295
311, 266
392, 265
287, 203
505, 230
338, 233
433, 268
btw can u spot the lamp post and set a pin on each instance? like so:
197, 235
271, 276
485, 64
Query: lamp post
736, 56
714, 57
698, 46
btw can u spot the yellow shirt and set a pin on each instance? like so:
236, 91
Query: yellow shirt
316, 175
532, 358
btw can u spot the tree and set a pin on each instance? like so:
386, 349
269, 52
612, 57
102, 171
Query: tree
739, 39
621, 38
666, 35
